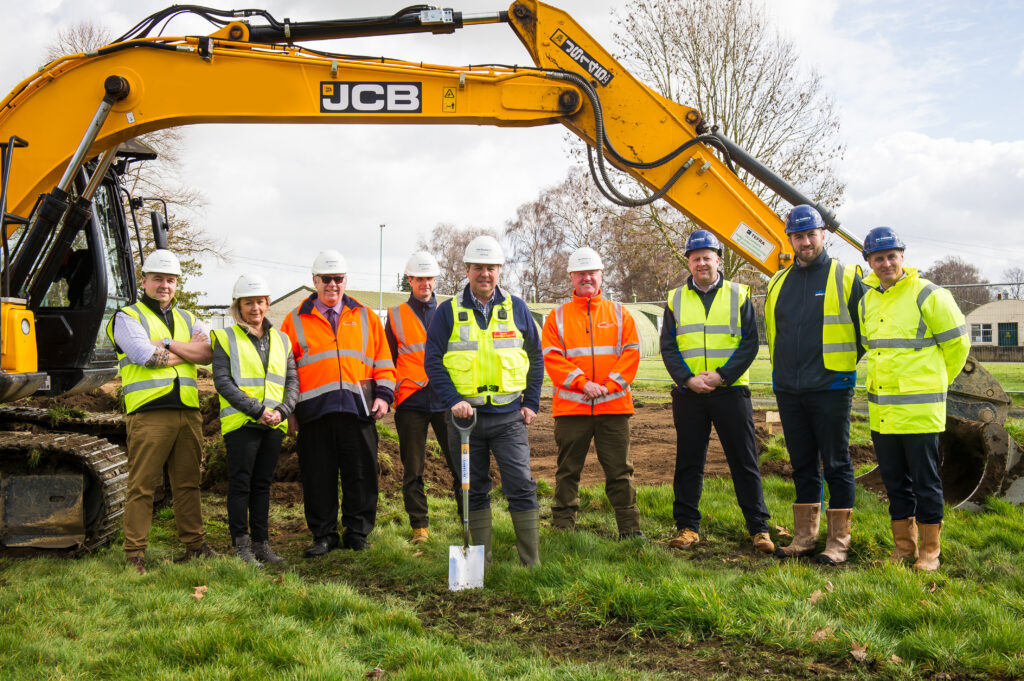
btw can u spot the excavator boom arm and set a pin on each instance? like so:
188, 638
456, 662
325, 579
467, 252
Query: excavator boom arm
217, 79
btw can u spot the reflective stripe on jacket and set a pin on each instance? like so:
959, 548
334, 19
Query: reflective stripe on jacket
412, 342
917, 343
591, 339
838, 336
486, 365
264, 385
330, 364
141, 384
707, 341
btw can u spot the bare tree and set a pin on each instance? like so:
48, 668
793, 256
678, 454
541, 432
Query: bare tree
1015, 277
955, 270
723, 58
159, 180
448, 243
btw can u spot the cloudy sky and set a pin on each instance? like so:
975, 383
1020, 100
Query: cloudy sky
929, 93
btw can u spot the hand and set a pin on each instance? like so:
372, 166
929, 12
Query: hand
592, 390
696, 384
267, 418
712, 379
528, 415
199, 337
380, 407
462, 410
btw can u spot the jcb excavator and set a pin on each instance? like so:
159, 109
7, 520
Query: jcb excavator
66, 135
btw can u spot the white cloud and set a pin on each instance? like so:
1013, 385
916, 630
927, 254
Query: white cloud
944, 197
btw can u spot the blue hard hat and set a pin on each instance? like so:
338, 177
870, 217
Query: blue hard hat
881, 239
803, 218
702, 238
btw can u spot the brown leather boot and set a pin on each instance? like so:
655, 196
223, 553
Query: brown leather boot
837, 546
806, 521
929, 554
904, 536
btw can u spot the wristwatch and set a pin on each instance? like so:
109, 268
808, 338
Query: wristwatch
167, 343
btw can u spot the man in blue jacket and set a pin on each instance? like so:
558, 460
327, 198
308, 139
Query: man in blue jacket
484, 352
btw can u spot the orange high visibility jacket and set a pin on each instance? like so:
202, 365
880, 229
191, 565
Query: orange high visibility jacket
591, 339
330, 365
412, 341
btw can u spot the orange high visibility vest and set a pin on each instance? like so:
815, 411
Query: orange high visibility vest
591, 339
327, 362
412, 341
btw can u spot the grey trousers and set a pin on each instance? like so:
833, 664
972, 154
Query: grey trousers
504, 436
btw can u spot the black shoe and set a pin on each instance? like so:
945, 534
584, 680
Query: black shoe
322, 546
355, 542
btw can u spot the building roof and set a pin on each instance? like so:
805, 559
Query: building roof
1007, 310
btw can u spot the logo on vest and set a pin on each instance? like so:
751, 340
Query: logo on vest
503, 334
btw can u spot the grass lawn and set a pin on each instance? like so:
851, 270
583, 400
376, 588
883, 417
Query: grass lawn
596, 608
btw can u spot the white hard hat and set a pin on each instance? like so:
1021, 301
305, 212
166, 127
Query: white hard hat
330, 262
249, 285
585, 259
484, 250
422, 264
162, 261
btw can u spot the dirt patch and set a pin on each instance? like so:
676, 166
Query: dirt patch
103, 399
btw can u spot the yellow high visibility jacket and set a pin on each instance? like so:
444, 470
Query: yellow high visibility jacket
917, 343
141, 384
838, 336
265, 385
486, 364
706, 342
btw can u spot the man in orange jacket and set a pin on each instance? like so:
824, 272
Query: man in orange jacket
339, 345
591, 353
417, 404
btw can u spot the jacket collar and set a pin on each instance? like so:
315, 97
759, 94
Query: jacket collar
307, 306
154, 305
585, 302
823, 260
872, 281
468, 299
417, 304
718, 284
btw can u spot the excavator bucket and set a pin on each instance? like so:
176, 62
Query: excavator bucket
979, 458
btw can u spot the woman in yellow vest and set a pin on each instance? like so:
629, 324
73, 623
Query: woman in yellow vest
255, 375
917, 344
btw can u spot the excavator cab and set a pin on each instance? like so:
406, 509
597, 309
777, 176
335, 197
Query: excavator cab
63, 276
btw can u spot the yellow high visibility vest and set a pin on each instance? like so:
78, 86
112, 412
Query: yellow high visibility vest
141, 384
838, 336
707, 341
247, 370
487, 364
917, 343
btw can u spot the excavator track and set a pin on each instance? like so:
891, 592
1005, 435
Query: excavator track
103, 466
110, 426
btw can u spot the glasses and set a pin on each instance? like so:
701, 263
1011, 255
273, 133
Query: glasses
340, 279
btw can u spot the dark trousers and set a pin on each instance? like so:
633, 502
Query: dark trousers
504, 436
333, 445
817, 429
610, 434
730, 412
252, 457
909, 465
412, 446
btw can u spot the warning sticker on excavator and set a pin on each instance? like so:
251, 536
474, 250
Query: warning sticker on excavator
752, 242
448, 100
582, 57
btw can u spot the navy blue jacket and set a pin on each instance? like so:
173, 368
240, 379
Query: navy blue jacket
797, 361
741, 359
440, 330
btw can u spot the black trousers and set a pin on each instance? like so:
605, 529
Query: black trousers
729, 410
252, 454
909, 465
817, 429
333, 445
412, 446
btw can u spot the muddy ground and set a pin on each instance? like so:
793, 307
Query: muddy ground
653, 438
